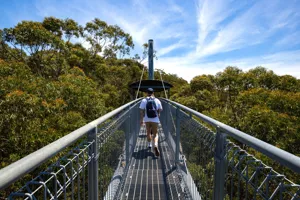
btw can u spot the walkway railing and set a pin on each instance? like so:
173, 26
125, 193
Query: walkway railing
221, 169
87, 160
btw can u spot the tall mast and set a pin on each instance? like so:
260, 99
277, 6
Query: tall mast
150, 60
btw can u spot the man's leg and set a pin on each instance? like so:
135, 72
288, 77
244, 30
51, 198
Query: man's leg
155, 137
148, 130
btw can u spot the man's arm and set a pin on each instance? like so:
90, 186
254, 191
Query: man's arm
159, 108
142, 114
158, 112
142, 111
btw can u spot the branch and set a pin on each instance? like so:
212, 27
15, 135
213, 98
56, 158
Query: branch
22, 59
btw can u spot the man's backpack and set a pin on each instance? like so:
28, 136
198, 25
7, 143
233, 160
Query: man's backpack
151, 109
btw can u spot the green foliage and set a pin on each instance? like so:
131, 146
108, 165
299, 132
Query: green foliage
263, 78
107, 39
288, 83
80, 94
202, 82
67, 28
36, 111
32, 37
257, 102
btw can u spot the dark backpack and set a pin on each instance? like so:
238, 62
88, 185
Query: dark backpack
151, 109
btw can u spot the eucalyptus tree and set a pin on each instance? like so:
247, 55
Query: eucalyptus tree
109, 41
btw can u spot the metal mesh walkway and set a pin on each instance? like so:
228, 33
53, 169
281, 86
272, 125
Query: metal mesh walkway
151, 177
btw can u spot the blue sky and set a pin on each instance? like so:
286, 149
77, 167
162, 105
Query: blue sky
191, 37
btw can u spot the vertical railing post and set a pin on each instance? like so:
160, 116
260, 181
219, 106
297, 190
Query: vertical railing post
93, 165
177, 134
127, 137
220, 165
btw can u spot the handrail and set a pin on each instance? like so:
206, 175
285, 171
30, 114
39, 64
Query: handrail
16, 170
285, 158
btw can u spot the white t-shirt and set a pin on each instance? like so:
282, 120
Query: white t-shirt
158, 107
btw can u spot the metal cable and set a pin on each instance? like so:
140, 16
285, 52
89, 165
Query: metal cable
163, 84
137, 92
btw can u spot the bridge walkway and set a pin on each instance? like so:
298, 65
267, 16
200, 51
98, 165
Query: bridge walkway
150, 177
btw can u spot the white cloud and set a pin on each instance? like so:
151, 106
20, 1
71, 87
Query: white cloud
252, 26
281, 63
173, 7
170, 48
289, 40
210, 14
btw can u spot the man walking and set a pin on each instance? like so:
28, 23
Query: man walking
150, 109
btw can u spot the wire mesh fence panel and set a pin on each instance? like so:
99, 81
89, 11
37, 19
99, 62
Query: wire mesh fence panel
198, 145
169, 124
64, 179
250, 178
112, 144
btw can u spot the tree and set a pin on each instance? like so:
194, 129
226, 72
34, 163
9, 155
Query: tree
109, 40
64, 29
202, 82
230, 81
144, 55
31, 37
267, 125
71, 29
10, 54
53, 25
265, 78
288, 83
36, 41
229, 84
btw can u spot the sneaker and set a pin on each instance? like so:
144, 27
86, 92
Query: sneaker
149, 145
156, 151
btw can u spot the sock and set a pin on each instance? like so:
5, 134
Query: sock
156, 138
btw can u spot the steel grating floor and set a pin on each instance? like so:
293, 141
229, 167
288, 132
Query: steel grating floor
150, 177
